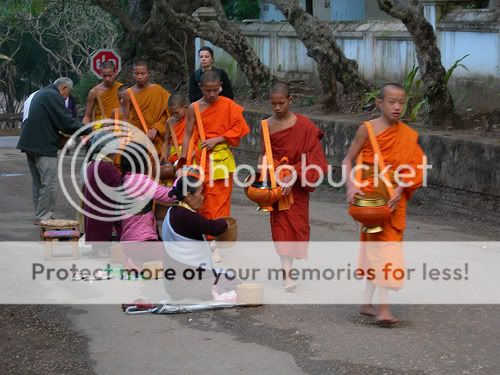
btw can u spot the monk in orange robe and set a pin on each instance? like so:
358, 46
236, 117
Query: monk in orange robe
149, 101
103, 98
223, 126
296, 142
174, 134
405, 163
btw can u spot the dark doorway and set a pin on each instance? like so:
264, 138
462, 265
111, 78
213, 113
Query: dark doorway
309, 7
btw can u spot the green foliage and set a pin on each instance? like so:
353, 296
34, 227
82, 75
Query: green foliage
44, 39
455, 65
241, 9
415, 102
83, 86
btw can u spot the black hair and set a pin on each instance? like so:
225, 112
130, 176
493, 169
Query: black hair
281, 88
185, 184
393, 85
208, 49
135, 158
210, 76
176, 100
108, 65
140, 62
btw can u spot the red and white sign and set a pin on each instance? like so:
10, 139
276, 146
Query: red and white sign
102, 55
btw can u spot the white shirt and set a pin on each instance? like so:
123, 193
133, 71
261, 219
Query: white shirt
26, 107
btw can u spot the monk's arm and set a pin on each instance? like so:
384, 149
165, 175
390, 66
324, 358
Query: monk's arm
353, 152
237, 130
166, 142
188, 130
87, 117
160, 126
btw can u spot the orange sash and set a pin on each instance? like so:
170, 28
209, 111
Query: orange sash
286, 201
137, 110
201, 131
381, 162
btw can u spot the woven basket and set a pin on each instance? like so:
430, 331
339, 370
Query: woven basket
156, 268
230, 235
59, 224
250, 294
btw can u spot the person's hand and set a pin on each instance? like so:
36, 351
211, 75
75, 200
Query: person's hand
210, 143
152, 133
287, 182
352, 190
393, 202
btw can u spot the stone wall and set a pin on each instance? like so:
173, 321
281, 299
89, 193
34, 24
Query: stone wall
384, 51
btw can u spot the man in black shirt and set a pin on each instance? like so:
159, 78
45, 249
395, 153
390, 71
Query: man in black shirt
40, 141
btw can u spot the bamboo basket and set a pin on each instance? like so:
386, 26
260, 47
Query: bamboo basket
250, 294
230, 236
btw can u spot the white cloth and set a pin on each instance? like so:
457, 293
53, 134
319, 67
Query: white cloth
26, 106
185, 250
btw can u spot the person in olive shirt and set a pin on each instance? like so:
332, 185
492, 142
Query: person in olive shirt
206, 56
40, 141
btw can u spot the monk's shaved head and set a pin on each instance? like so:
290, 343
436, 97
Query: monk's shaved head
281, 88
141, 63
390, 86
108, 65
176, 100
210, 76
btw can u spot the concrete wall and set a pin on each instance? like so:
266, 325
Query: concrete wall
385, 51
465, 177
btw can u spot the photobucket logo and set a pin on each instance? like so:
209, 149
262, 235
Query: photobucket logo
95, 186
311, 175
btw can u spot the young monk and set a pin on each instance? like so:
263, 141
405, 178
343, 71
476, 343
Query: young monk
223, 125
399, 148
293, 137
103, 98
148, 105
174, 133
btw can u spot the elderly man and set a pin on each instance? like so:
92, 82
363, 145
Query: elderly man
40, 141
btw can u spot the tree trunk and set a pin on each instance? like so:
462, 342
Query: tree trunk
224, 34
333, 65
160, 30
148, 36
441, 111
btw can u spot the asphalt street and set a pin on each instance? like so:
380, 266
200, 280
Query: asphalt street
272, 339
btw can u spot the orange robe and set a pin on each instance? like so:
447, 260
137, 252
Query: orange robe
109, 99
399, 146
222, 118
153, 102
179, 128
303, 138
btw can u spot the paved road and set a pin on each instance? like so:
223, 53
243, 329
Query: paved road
303, 339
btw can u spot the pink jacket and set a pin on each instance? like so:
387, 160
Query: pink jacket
142, 227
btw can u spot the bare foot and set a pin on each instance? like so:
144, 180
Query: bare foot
368, 310
385, 318
290, 286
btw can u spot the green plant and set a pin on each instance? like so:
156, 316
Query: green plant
241, 9
415, 102
83, 86
455, 65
